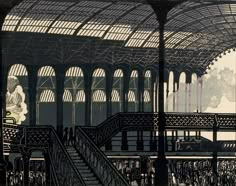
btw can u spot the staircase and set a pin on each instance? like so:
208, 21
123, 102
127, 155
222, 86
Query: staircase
87, 174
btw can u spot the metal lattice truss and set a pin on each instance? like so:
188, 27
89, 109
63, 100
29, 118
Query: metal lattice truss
196, 31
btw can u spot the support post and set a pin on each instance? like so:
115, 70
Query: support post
32, 91
47, 163
109, 80
60, 76
161, 165
88, 98
26, 154
3, 13
214, 158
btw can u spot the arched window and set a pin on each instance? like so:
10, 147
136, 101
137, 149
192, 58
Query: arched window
147, 92
47, 96
133, 92
46, 99
194, 94
98, 113
17, 93
74, 110
181, 103
67, 96
117, 91
170, 101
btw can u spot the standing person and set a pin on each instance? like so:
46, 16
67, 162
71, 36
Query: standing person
71, 137
65, 137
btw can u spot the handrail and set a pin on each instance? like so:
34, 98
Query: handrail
73, 175
97, 160
45, 137
148, 121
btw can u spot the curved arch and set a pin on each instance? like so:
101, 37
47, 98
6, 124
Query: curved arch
18, 70
46, 71
147, 97
80, 96
74, 72
115, 96
99, 96
67, 96
47, 96
131, 96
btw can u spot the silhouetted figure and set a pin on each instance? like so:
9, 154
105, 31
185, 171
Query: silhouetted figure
71, 137
65, 137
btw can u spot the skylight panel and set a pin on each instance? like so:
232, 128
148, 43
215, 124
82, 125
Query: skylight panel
76, 16
15, 15
41, 16
98, 25
125, 26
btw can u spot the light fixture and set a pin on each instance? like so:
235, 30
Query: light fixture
234, 49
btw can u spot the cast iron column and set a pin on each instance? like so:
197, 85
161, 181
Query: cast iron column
109, 81
60, 76
3, 13
32, 92
161, 8
88, 98
161, 177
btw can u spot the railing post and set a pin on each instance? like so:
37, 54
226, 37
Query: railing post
47, 163
26, 154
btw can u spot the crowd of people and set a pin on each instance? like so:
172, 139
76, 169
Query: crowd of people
35, 178
181, 172
200, 173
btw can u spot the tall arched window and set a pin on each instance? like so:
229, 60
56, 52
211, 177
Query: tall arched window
80, 108
98, 113
67, 108
47, 108
182, 93
194, 94
133, 92
74, 110
147, 91
117, 91
46, 101
170, 100
17, 93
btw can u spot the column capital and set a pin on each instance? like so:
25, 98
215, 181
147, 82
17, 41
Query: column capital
161, 9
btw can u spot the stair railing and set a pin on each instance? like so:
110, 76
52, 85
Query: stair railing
98, 162
45, 138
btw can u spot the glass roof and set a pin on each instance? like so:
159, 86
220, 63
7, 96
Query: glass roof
208, 27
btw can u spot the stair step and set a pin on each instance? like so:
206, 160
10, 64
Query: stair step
83, 168
87, 175
92, 182
93, 178
80, 164
78, 161
85, 171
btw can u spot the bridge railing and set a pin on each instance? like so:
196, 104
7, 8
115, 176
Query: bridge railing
150, 121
